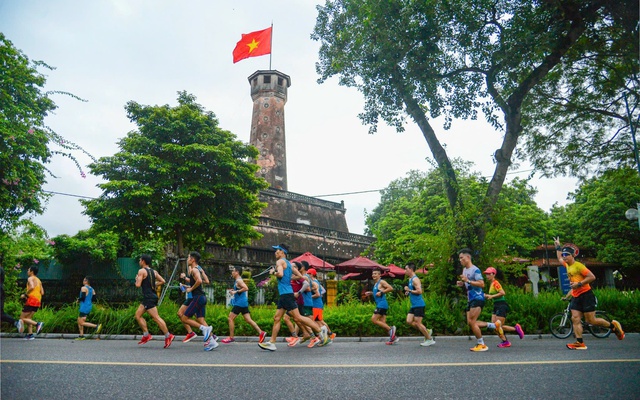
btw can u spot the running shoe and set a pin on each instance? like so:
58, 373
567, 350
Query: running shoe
29, 337
576, 346
228, 340
393, 333
168, 340
499, 329
332, 336
262, 336
80, 338
145, 339
293, 342
39, 326
189, 336
618, 329
314, 341
324, 339
389, 343
268, 346
504, 344
428, 342
519, 331
290, 338
207, 331
20, 326
479, 347
98, 329
211, 344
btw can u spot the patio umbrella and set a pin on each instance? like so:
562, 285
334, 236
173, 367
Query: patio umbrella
314, 262
359, 264
394, 271
356, 276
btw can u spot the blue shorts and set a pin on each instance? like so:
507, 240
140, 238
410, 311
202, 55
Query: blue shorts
197, 307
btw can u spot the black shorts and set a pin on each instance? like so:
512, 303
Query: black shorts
287, 301
586, 302
381, 311
237, 310
307, 311
198, 307
148, 304
83, 315
186, 302
417, 311
29, 309
500, 308
474, 304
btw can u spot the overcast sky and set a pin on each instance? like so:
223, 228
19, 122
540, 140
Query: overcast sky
111, 52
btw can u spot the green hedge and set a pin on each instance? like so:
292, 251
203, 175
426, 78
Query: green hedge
353, 318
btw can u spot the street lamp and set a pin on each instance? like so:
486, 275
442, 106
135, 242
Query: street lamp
633, 213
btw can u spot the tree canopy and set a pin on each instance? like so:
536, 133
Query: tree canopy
27, 143
425, 59
178, 177
595, 219
413, 222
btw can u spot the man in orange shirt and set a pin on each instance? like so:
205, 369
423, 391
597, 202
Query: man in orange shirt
583, 300
33, 302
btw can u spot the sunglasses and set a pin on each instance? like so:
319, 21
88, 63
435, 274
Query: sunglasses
566, 254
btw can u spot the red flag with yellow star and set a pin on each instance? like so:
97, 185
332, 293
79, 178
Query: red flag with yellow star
253, 44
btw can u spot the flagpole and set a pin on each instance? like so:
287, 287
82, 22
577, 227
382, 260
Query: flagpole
271, 46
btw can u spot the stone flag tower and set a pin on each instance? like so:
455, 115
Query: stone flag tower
269, 95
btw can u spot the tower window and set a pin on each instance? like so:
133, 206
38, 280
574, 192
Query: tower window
255, 81
279, 81
267, 79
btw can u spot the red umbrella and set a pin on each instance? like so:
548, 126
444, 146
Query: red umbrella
314, 262
359, 264
394, 271
356, 276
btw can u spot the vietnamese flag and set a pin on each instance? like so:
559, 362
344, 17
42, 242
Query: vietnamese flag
253, 44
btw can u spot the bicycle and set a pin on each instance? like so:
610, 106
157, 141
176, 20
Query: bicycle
561, 326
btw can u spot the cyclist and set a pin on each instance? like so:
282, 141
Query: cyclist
500, 308
583, 302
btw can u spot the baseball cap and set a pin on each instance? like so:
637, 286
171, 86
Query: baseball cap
490, 270
312, 271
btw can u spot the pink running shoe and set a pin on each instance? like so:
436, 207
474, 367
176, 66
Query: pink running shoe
262, 336
504, 344
228, 340
519, 331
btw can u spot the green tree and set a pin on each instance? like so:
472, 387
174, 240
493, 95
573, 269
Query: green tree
25, 245
595, 220
585, 107
413, 223
425, 59
27, 143
179, 177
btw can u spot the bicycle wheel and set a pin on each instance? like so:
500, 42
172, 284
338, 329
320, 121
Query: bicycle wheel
599, 331
558, 329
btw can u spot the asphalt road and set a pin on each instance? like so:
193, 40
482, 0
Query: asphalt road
534, 368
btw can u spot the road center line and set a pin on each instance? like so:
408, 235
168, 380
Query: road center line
461, 364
